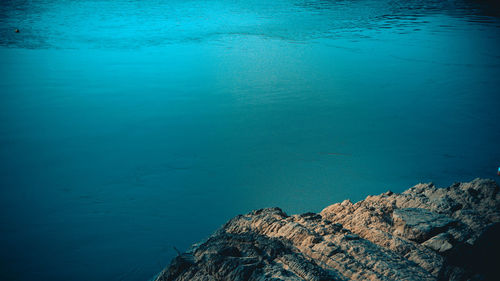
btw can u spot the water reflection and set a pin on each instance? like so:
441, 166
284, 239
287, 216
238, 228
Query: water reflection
134, 24
146, 124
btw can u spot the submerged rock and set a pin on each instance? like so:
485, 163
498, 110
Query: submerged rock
424, 233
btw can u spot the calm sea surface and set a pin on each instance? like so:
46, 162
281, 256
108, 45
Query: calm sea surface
129, 127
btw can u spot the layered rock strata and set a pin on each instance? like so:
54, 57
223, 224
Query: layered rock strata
424, 233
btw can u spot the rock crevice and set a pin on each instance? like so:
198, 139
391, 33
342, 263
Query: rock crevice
424, 233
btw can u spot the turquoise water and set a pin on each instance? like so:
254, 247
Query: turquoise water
129, 127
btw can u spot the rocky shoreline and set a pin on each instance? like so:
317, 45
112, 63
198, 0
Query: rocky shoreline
424, 233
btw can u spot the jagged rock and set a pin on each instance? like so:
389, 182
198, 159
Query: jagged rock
440, 243
424, 233
419, 224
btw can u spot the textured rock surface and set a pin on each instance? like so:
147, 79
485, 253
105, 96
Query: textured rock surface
424, 233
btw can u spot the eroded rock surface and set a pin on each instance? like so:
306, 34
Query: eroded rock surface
424, 233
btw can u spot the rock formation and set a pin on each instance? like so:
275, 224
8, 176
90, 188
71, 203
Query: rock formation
424, 233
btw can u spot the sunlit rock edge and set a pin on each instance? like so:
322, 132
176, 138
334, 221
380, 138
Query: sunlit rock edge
424, 233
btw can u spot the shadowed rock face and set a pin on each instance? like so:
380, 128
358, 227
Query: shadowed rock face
424, 233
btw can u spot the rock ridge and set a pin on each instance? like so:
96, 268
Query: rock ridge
424, 233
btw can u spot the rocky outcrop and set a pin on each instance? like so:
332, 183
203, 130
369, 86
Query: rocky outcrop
424, 233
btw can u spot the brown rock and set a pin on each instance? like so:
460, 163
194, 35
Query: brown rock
424, 233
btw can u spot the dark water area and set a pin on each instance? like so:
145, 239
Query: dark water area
129, 127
